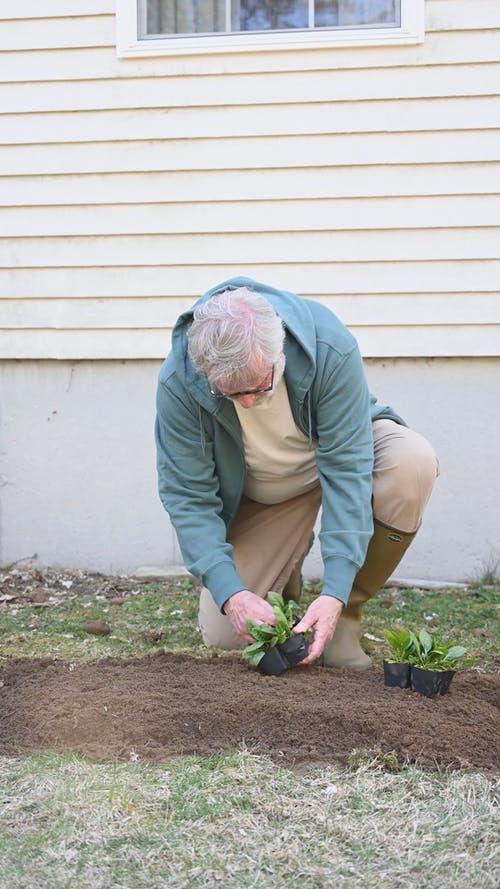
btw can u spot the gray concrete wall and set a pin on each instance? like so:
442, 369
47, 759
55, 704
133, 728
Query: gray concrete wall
78, 480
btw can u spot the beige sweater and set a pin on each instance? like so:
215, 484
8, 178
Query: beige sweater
280, 460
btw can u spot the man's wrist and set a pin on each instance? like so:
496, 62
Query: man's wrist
224, 608
331, 596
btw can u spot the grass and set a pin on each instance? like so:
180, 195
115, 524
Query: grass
488, 574
157, 616
468, 617
236, 819
163, 615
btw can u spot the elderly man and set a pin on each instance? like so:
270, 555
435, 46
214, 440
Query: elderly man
263, 417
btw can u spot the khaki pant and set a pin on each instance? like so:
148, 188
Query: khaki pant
269, 541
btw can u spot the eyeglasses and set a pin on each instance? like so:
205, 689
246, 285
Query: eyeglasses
216, 393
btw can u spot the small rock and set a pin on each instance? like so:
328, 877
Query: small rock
38, 597
116, 600
97, 627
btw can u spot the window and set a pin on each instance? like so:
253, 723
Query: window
164, 17
151, 27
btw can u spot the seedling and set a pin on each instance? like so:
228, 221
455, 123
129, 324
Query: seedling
267, 636
422, 662
401, 644
422, 650
276, 648
430, 655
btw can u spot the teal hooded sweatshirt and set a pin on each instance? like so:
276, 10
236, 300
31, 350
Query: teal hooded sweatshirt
200, 458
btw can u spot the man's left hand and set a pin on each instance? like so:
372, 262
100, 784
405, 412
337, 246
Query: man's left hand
321, 616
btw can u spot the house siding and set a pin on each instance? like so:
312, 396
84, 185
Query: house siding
366, 178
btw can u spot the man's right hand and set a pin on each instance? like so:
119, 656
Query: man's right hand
244, 606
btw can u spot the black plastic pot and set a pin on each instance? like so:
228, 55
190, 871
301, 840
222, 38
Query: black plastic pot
431, 682
284, 655
396, 675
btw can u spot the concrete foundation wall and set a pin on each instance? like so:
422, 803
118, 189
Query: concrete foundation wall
78, 478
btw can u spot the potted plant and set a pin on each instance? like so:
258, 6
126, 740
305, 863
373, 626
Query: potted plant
433, 664
420, 662
397, 667
276, 648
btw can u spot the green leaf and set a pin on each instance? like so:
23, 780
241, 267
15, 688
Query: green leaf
261, 632
281, 621
266, 631
401, 644
256, 658
252, 626
391, 638
284, 631
415, 644
455, 652
291, 607
426, 640
276, 600
252, 648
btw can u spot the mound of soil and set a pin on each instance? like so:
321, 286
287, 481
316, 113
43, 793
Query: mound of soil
170, 704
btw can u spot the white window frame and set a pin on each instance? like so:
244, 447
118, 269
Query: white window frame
411, 30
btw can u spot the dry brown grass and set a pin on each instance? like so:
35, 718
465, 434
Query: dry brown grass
238, 821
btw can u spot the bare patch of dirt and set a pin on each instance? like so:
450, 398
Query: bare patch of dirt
171, 704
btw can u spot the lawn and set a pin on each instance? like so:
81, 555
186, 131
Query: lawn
235, 818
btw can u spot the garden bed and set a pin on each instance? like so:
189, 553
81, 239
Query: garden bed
170, 704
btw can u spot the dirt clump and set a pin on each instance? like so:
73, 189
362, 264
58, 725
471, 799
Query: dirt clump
171, 704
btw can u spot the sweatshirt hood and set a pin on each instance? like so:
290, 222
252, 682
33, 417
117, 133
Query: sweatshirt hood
300, 342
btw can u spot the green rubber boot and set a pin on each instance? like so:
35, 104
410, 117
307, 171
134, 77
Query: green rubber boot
385, 551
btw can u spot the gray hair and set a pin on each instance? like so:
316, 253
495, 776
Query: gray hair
232, 333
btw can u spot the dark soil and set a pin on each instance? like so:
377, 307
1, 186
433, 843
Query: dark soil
171, 704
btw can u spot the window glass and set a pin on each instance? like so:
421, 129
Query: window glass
270, 15
185, 16
164, 17
355, 13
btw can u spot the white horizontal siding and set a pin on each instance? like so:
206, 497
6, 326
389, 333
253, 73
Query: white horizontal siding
30, 9
50, 33
294, 118
89, 190
269, 247
97, 63
456, 15
367, 178
240, 153
466, 276
302, 88
358, 309
224, 217
439, 341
